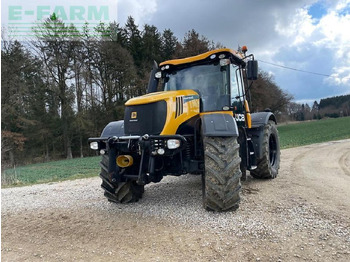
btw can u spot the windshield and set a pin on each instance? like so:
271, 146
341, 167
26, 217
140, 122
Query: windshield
210, 81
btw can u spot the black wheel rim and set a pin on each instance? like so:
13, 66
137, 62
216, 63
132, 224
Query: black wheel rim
272, 149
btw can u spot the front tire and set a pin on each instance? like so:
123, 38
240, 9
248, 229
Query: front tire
123, 192
269, 163
221, 179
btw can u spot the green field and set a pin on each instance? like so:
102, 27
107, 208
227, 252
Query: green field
291, 135
305, 133
51, 172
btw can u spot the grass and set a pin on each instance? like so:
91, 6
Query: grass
51, 172
306, 133
291, 135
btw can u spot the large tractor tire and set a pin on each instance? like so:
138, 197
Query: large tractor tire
269, 163
123, 192
221, 179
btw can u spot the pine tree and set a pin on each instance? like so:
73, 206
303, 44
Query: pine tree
169, 42
151, 45
23, 102
132, 36
193, 44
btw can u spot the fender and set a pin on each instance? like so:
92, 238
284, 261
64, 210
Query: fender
115, 128
219, 125
262, 118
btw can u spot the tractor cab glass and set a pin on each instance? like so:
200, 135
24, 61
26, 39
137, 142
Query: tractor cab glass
237, 94
211, 81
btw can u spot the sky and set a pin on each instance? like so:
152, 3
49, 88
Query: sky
306, 35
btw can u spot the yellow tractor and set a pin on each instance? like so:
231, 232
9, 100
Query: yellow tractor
195, 119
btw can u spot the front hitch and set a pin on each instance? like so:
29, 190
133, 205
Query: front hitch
113, 169
144, 145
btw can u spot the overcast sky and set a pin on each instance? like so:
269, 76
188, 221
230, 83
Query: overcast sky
308, 35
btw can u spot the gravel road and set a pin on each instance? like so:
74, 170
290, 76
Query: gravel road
302, 215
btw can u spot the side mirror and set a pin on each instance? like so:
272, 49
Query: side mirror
153, 81
252, 70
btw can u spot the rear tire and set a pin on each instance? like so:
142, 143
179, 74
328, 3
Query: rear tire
221, 179
269, 163
123, 192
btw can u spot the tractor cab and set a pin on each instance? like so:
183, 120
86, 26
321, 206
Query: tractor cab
218, 78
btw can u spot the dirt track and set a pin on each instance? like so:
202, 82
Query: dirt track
304, 214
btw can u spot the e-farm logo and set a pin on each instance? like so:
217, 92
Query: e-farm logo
71, 13
22, 18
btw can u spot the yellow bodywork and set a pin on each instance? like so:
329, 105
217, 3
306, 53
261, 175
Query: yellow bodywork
201, 57
217, 112
248, 117
181, 106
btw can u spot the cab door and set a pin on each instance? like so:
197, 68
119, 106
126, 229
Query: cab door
237, 95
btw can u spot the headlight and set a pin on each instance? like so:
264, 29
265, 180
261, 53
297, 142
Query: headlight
94, 145
224, 62
173, 143
161, 151
158, 75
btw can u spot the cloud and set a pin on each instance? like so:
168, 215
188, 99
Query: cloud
141, 11
333, 28
298, 28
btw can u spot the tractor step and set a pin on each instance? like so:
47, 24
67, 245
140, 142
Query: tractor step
252, 155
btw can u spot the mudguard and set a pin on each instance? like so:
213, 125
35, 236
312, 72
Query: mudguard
219, 125
115, 128
262, 118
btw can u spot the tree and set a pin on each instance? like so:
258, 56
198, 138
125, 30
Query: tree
151, 45
307, 112
192, 45
266, 94
114, 74
132, 36
22, 100
292, 110
315, 107
169, 42
335, 106
56, 45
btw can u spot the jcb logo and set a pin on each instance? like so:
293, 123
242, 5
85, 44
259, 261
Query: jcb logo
133, 115
240, 117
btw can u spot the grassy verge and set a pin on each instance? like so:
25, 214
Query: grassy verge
291, 135
306, 133
51, 172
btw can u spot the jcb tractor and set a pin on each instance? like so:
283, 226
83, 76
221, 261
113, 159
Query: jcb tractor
195, 119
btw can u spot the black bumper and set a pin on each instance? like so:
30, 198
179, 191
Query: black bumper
150, 143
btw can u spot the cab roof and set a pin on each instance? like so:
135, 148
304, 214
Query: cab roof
236, 56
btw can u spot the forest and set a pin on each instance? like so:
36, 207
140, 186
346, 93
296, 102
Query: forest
338, 106
66, 85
